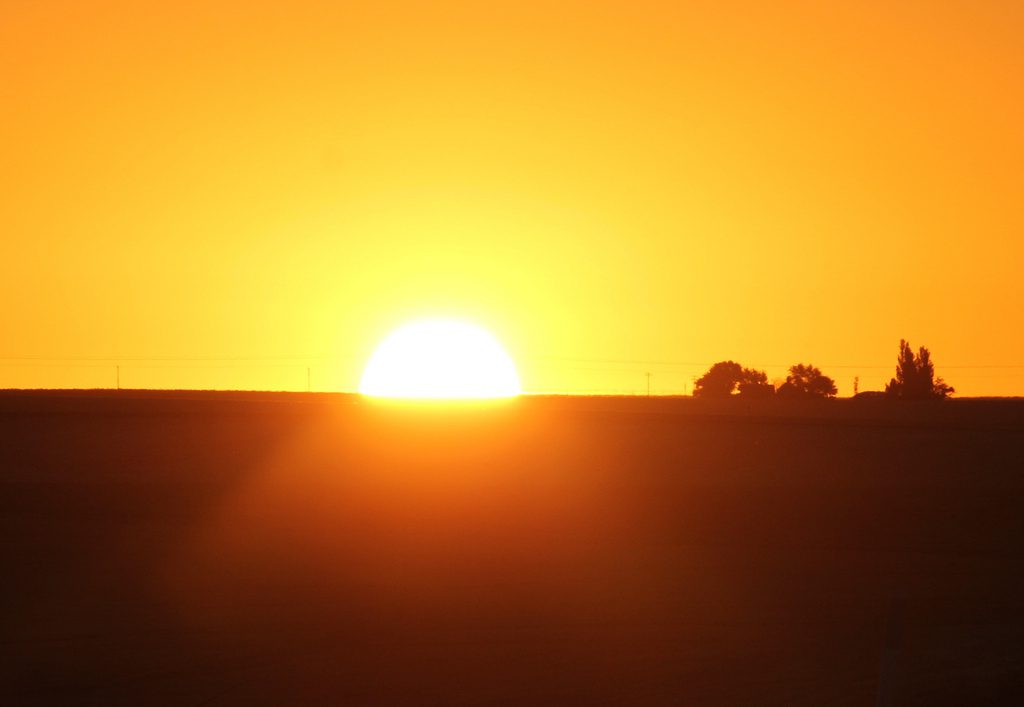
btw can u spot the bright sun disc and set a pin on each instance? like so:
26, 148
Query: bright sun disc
440, 359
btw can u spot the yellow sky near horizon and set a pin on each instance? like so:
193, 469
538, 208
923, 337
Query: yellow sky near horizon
224, 194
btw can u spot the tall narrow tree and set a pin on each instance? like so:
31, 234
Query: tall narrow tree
915, 376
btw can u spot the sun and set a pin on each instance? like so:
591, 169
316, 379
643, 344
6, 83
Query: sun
440, 359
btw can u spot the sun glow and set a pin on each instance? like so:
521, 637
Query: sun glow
440, 359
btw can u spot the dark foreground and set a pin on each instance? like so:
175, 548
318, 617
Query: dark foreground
290, 550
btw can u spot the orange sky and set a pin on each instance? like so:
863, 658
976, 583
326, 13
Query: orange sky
243, 190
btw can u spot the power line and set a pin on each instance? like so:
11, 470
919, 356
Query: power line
544, 360
176, 358
643, 362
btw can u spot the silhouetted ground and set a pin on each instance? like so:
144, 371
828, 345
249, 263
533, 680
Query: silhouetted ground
261, 549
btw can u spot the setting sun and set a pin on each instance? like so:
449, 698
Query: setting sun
440, 359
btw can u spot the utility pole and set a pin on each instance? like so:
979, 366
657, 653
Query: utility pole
856, 384
648, 374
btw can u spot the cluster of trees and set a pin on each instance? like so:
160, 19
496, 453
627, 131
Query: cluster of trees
915, 377
915, 380
728, 377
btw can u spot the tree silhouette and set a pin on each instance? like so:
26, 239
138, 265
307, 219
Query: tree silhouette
915, 376
754, 384
726, 377
807, 381
720, 381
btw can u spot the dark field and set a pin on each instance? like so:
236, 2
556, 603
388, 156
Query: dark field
211, 549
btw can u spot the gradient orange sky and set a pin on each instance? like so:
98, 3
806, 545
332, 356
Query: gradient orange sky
222, 194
